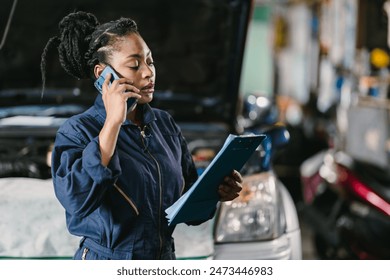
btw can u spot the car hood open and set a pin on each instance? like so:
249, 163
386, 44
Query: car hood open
197, 45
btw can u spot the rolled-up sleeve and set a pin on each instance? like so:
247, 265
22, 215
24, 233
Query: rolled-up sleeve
80, 180
92, 164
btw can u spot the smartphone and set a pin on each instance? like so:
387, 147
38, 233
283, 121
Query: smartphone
131, 102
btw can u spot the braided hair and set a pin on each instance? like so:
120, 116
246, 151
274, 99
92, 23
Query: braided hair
84, 42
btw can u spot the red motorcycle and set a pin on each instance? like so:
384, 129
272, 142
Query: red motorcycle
347, 205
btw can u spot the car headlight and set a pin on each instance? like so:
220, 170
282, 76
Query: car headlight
257, 214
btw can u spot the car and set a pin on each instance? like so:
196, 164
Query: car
198, 46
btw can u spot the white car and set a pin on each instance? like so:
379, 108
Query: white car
198, 46
261, 224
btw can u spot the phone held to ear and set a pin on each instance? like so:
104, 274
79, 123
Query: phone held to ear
131, 102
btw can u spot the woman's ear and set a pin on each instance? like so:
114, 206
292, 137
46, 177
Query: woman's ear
98, 69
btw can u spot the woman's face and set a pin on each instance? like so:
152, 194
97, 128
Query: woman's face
132, 59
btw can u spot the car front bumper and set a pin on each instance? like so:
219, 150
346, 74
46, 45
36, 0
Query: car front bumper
287, 246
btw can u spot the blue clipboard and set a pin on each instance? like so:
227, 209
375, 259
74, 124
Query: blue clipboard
200, 201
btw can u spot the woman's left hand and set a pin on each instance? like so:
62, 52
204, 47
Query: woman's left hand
230, 187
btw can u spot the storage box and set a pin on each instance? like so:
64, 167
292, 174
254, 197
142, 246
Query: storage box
367, 138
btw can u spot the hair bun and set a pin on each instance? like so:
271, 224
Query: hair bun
80, 22
75, 35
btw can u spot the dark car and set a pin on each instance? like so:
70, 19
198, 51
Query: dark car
198, 47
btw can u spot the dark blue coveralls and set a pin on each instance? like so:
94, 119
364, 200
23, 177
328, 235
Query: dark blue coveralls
119, 210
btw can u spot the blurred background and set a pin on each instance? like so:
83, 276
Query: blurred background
326, 65
322, 66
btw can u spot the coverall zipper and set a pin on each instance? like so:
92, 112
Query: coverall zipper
142, 132
84, 256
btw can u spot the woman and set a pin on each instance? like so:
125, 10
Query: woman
115, 172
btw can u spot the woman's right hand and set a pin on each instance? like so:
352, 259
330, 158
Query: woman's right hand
115, 98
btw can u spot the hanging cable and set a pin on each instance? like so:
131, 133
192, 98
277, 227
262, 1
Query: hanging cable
11, 14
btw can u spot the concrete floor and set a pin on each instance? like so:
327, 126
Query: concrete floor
308, 251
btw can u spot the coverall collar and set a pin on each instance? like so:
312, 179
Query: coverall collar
148, 113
